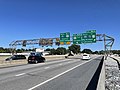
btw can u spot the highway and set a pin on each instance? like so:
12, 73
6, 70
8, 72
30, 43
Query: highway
67, 74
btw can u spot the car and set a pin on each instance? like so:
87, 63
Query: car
36, 57
16, 57
70, 54
86, 56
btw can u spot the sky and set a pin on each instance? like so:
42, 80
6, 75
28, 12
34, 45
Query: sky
34, 19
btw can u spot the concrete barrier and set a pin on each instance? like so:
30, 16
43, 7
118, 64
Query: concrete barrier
55, 57
4, 63
98, 82
101, 81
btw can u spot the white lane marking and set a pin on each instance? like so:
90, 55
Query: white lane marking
60, 64
68, 62
38, 64
57, 76
20, 74
46, 67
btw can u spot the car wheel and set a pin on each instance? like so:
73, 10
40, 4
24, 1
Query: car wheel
43, 61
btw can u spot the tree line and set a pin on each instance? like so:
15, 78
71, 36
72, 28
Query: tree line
75, 49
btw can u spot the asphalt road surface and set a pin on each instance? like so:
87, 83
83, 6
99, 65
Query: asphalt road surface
67, 74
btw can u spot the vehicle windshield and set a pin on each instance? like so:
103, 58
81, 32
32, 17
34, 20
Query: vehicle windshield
85, 55
35, 54
32, 54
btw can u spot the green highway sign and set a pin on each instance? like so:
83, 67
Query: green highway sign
91, 31
65, 38
89, 37
77, 38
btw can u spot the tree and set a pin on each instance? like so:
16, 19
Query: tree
88, 51
101, 52
74, 48
19, 51
58, 51
1, 49
96, 52
61, 51
52, 51
48, 49
4, 50
7, 50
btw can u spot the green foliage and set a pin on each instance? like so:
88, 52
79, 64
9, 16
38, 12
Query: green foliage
58, 51
101, 52
74, 48
4, 50
115, 51
19, 51
96, 52
48, 49
88, 51
52, 51
61, 51
8, 50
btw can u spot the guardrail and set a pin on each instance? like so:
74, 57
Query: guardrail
117, 62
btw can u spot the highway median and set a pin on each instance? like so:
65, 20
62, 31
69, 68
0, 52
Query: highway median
10, 63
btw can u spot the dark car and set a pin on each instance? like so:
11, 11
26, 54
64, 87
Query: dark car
16, 57
36, 58
70, 54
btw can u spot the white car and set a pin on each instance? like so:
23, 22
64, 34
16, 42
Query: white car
86, 56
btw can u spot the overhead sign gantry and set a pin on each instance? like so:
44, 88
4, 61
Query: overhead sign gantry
65, 39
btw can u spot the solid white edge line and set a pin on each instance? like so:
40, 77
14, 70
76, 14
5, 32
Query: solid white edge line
60, 64
68, 62
46, 67
20, 74
57, 76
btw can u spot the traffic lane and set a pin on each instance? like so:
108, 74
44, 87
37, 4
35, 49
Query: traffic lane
22, 69
28, 80
29, 66
17, 68
10, 72
36, 67
47, 61
77, 79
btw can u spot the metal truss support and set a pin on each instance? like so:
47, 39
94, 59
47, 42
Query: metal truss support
28, 42
108, 43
